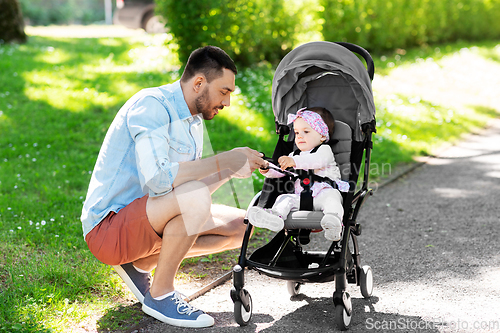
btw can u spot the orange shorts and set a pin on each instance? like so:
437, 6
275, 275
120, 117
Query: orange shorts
125, 236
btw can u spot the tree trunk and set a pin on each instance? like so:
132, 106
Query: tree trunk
11, 22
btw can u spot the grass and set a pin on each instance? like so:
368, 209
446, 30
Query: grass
430, 97
57, 98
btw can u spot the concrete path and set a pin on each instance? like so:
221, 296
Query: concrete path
432, 239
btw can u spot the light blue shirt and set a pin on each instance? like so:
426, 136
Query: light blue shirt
149, 136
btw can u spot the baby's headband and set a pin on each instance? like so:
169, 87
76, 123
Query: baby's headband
313, 119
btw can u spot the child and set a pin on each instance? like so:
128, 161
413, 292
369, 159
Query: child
312, 128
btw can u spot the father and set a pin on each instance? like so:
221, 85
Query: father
149, 200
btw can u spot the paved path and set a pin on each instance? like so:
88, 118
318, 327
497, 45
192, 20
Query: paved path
431, 238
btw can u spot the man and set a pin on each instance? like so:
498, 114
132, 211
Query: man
149, 199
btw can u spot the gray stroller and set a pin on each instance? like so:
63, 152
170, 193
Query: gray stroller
332, 76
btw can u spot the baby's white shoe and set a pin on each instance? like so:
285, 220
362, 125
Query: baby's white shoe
264, 218
332, 226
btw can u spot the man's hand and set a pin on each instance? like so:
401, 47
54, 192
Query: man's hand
286, 162
243, 161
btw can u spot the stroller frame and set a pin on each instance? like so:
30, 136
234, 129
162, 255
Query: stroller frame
339, 263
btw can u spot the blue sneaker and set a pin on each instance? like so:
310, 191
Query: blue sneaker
137, 282
175, 311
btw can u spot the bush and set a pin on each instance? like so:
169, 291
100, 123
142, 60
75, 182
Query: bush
46, 12
386, 24
248, 30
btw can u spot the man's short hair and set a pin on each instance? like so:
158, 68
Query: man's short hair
209, 61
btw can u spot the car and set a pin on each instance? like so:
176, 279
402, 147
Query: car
138, 14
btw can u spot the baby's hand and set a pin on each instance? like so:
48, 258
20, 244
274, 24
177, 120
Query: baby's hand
286, 162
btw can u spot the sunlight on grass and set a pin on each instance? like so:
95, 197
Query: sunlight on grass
425, 103
155, 55
68, 315
400, 58
4, 119
148, 56
53, 56
238, 115
420, 127
192, 274
44, 86
41, 79
488, 53
250, 119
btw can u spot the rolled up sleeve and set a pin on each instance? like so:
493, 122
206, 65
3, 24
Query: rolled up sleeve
148, 124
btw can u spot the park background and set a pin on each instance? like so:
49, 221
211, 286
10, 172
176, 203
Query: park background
435, 61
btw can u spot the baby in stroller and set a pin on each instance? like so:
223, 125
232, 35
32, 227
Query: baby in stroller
313, 128
329, 75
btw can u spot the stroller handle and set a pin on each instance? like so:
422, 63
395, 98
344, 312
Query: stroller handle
362, 52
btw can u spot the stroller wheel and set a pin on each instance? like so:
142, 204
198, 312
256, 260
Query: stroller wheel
366, 281
342, 318
293, 287
241, 315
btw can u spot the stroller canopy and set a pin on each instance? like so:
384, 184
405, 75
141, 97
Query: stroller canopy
324, 74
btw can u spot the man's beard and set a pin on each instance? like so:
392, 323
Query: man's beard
202, 104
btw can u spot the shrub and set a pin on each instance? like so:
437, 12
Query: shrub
248, 30
46, 12
389, 24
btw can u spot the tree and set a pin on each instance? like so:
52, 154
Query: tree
11, 22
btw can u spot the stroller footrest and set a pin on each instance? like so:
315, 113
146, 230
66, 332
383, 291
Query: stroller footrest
303, 219
317, 275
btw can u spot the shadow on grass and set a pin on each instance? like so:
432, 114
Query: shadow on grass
123, 318
490, 112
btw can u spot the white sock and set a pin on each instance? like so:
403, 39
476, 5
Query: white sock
140, 270
159, 298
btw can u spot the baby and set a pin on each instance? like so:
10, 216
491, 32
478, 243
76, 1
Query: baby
312, 128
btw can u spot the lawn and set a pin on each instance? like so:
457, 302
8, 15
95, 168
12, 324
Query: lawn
58, 96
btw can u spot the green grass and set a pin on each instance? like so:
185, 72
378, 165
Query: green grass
430, 97
57, 99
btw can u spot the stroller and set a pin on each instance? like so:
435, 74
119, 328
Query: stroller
329, 75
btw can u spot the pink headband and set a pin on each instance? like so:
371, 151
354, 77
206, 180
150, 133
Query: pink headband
313, 119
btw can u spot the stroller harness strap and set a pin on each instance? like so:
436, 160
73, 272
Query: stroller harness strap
307, 179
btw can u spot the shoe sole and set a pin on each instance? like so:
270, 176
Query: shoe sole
207, 321
130, 284
333, 231
262, 219
333, 234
